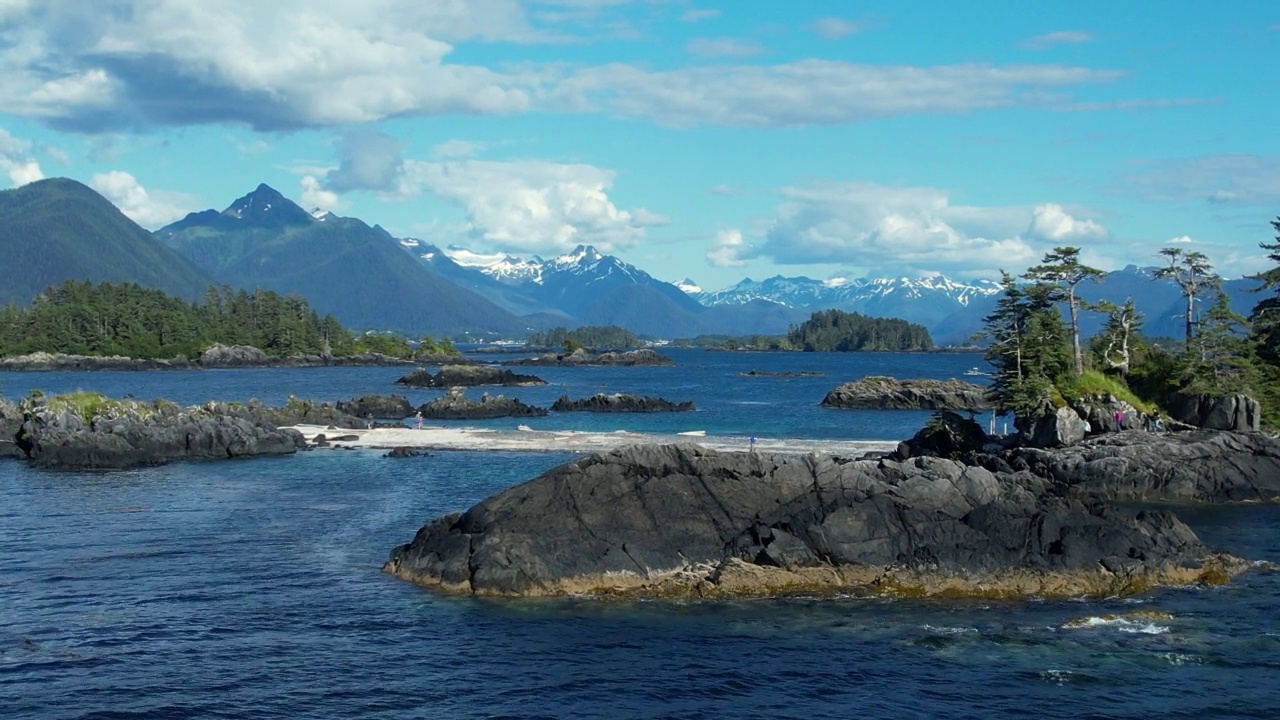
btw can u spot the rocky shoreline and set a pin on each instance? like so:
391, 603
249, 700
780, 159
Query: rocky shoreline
683, 521
467, 376
218, 356
620, 403
642, 357
886, 393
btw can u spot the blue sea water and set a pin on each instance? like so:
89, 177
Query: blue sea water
251, 589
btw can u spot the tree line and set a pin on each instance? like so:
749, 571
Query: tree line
84, 318
837, 330
1040, 363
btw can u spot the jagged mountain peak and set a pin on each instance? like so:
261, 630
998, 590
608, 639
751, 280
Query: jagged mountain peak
267, 207
688, 286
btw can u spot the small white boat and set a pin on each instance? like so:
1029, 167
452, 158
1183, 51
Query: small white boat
974, 371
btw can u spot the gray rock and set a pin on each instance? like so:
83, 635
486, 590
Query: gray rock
619, 402
393, 407
455, 405
886, 393
1061, 429
1237, 413
219, 355
682, 520
467, 376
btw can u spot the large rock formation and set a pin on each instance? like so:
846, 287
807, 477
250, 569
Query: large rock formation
620, 402
10, 423
581, 356
455, 405
43, 362
392, 407
100, 433
886, 393
467, 376
217, 356
1061, 428
1204, 466
1238, 413
946, 435
687, 522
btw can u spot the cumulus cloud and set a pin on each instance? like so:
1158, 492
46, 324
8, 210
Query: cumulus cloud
453, 149
723, 47
729, 249
278, 65
821, 92
1246, 180
16, 161
533, 206
1181, 239
1060, 37
150, 210
314, 195
834, 28
1051, 223
913, 230
367, 160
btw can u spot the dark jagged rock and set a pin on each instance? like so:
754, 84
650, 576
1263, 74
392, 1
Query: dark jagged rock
946, 435
644, 357
10, 423
1237, 413
682, 521
455, 405
886, 393
619, 402
394, 407
304, 412
1204, 466
785, 373
1060, 429
1107, 414
122, 434
404, 452
467, 376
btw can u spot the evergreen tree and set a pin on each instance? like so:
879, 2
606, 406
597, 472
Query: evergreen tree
1115, 342
1265, 316
1062, 267
1193, 274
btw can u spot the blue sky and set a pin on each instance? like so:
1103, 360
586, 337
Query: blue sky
710, 140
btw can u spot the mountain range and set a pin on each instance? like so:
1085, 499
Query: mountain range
367, 278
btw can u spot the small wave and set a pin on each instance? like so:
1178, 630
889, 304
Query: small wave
1058, 676
950, 630
1145, 622
1177, 658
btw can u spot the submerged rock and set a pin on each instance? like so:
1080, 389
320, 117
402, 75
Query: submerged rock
886, 393
581, 356
619, 402
682, 521
467, 376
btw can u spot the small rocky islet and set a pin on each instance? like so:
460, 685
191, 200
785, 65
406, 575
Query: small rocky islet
643, 357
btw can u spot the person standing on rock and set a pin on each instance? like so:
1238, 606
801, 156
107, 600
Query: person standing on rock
419, 419
368, 420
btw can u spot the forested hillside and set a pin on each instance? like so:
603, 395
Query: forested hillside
837, 330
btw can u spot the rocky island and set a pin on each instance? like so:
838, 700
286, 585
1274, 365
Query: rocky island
467, 376
455, 405
642, 357
886, 393
619, 402
216, 356
683, 521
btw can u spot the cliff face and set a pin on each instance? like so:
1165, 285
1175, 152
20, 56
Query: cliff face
685, 521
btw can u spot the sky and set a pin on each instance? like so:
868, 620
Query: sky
710, 140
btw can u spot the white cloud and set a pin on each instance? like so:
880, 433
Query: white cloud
533, 206
16, 161
1246, 180
367, 160
1051, 223
315, 196
696, 15
834, 28
723, 47
150, 210
822, 92
1060, 37
729, 249
913, 230
454, 149
1181, 239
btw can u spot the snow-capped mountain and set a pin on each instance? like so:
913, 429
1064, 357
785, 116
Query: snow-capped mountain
807, 293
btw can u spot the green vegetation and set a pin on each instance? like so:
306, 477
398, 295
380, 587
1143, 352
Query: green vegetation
587, 336
1222, 353
738, 342
836, 330
83, 318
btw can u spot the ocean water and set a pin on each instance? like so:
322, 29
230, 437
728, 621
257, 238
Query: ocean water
252, 589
